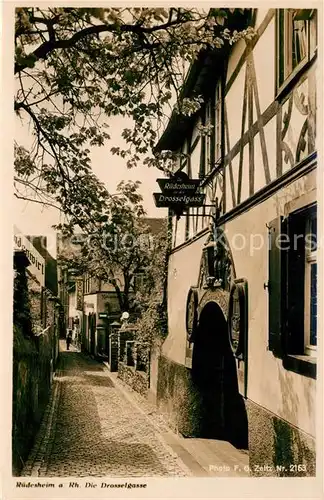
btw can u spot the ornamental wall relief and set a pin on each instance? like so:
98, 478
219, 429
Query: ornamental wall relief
211, 289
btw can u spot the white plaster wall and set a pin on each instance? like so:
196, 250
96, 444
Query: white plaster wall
259, 172
183, 273
195, 131
283, 392
271, 142
236, 54
260, 15
181, 230
72, 304
264, 63
88, 300
228, 189
245, 190
234, 107
195, 161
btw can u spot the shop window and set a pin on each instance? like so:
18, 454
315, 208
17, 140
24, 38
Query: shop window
296, 39
292, 286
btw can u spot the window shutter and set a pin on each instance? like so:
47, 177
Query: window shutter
275, 288
296, 285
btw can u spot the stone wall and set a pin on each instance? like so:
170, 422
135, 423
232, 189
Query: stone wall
35, 351
276, 448
33, 365
280, 448
137, 380
177, 397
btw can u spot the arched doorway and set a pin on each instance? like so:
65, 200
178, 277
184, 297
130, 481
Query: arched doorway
222, 413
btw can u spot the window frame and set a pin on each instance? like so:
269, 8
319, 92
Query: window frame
303, 218
284, 31
287, 337
310, 259
218, 122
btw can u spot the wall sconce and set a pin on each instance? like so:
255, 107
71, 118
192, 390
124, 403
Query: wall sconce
213, 264
209, 258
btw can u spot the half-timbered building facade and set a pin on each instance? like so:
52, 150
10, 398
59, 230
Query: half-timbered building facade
239, 361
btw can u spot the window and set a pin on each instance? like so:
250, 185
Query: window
310, 322
218, 123
296, 30
208, 121
292, 285
211, 144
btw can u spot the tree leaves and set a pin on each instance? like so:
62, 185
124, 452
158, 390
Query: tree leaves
117, 245
77, 67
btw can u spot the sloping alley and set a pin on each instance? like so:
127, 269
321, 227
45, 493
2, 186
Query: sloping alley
93, 426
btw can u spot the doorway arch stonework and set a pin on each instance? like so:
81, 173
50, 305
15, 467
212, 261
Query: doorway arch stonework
217, 295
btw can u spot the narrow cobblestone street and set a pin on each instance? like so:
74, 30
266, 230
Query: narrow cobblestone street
94, 425
91, 429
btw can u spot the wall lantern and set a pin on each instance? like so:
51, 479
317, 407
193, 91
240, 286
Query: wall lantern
209, 259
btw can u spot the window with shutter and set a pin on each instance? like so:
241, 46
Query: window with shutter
292, 284
296, 42
275, 287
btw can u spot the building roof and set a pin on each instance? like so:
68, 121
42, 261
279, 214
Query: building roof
201, 80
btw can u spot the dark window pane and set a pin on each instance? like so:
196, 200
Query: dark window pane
299, 51
313, 305
281, 46
314, 233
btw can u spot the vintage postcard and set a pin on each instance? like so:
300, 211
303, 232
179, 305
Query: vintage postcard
165, 271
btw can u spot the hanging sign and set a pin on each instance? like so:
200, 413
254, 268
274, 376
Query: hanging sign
37, 261
178, 184
185, 200
179, 192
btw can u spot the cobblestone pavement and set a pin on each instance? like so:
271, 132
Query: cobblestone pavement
91, 429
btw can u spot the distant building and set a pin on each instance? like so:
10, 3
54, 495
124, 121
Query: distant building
41, 272
36, 269
40, 243
91, 305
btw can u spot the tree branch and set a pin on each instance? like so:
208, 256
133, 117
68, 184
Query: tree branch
37, 201
44, 49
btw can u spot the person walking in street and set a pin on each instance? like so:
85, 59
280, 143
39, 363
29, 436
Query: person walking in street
68, 339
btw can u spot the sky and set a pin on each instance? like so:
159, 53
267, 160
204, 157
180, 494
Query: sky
35, 219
